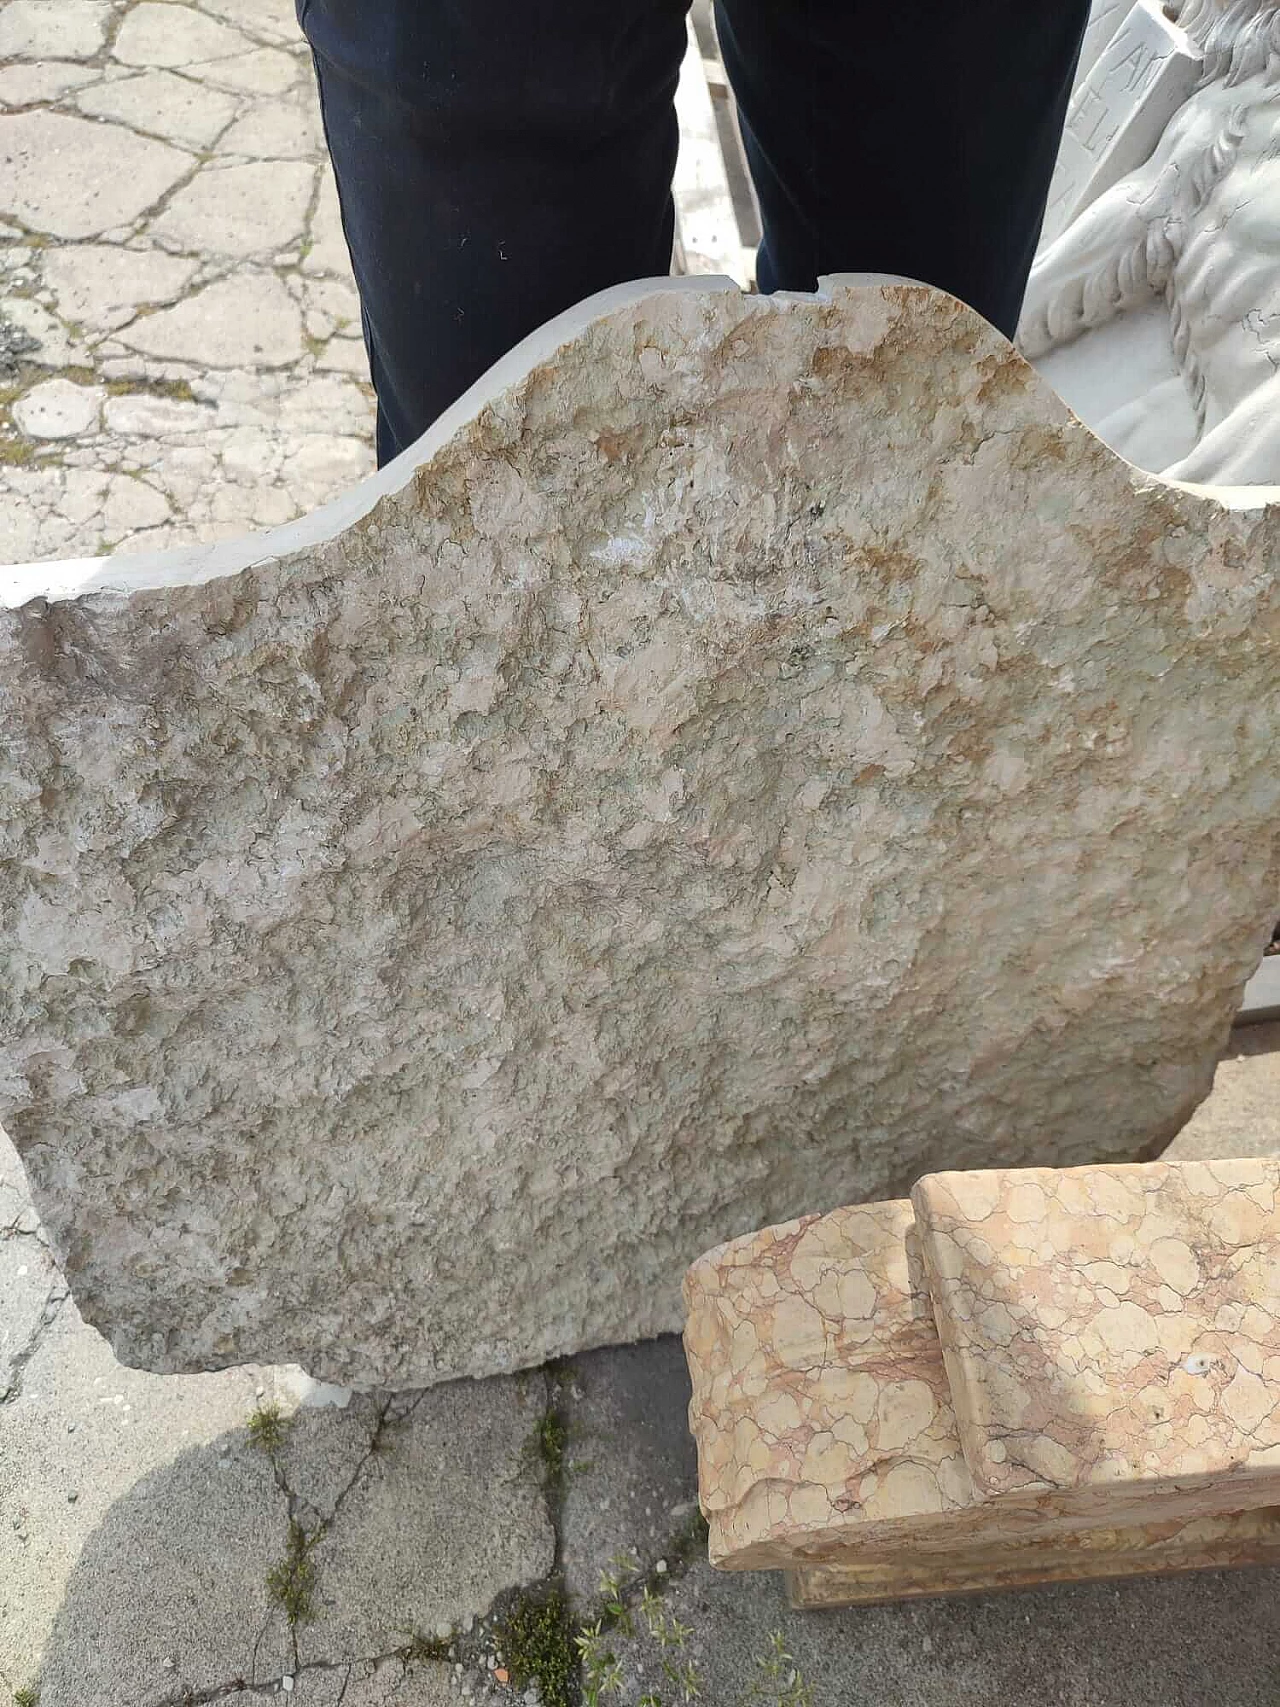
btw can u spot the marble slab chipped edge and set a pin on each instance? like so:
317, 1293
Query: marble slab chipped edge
59, 580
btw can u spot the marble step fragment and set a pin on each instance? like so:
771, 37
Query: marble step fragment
1144, 1550
751, 749
1064, 1372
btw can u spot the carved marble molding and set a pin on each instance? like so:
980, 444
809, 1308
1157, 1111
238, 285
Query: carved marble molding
1018, 1375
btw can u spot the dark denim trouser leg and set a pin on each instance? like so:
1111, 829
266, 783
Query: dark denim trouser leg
497, 161
914, 137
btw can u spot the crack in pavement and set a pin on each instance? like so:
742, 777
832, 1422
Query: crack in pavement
50, 1310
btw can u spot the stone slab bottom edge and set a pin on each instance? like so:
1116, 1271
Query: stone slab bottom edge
1262, 994
1229, 1541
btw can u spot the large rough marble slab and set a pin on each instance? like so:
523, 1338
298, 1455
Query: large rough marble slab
750, 752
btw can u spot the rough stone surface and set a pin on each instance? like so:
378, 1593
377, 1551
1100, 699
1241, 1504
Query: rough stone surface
420, 946
1179, 1643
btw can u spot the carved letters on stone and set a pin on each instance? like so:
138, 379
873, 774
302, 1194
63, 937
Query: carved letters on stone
1119, 110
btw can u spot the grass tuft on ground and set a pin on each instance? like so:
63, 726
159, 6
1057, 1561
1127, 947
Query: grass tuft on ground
268, 1428
292, 1583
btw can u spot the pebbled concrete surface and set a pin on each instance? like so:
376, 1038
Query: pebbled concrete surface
631, 1479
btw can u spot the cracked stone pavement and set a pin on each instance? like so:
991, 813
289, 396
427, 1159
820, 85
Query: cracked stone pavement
180, 351
139, 1521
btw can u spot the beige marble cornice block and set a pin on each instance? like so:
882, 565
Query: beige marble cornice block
1019, 1375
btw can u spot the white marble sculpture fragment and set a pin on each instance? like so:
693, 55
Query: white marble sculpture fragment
1119, 110
750, 752
1155, 312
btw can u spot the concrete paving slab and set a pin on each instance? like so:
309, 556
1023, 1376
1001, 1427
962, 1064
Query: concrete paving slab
1242, 1116
630, 1482
385, 1683
71, 178
102, 287
165, 105
120, 100
24, 85
281, 128
169, 1593
253, 209
105, 1473
1174, 1642
173, 35
33, 1293
262, 71
53, 29
249, 319
445, 1514
268, 20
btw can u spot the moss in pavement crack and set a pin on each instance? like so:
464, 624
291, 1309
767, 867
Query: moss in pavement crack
538, 1647
292, 1582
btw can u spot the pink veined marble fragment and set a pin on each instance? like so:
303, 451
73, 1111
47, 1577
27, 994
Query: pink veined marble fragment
1020, 1375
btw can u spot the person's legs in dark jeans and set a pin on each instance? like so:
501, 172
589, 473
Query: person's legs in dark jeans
499, 160
915, 138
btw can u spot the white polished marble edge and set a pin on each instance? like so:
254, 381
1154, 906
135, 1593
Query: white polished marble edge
126, 573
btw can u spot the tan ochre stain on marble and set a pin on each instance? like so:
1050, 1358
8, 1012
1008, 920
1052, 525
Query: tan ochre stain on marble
824, 1402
